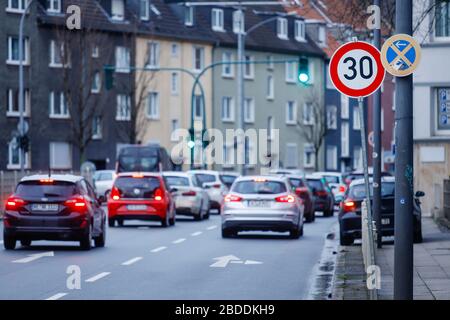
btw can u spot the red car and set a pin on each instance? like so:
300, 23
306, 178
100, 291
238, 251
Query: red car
140, 196
303, 192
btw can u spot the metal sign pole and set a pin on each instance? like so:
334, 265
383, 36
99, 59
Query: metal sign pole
404, 172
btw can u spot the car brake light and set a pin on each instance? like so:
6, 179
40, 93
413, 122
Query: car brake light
342, 188
260, 179
232, 198
349, 205
288, 199
138, 175
77, 203
158, 194
217, 185
49, 181
115, 193
14, 203
321, 193
189, 193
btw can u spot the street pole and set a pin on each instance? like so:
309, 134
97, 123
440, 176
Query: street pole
376, 155
240, 94
403, 251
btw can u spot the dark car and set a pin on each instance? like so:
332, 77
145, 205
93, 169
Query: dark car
323, 197
59, 207
350, 211
302, 190
355, 175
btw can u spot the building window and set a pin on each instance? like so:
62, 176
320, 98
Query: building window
15, 156
282, 28
270, 64
332, 117
345, 143
443, 108
344, 107
96, 83
122, 59
13, 50
123, 112
270, 127
300, 30
442, 19
217, 19
227, 67
332, 160
174, 50
95, 52
291, 112
153, 105
308, 114
189, 16
270, 91
308, 156
13, 103
54, 6
60, 155
17, 6
249, 68
56, 54
227, 109
198, 107
175, 127
152, 55
357, 158
145, 10
97, 127
322, 37
199, 58
58, 106
117, 10
228, 155
238, 22
250, 155
356, 118
291, 160
175, 83
249, 110
290, 72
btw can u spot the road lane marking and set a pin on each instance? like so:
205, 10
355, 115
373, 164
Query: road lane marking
196, 233
98, 277
35, 256
57, 296
179, 240
131, 261
211, 227
222, 262
159, 249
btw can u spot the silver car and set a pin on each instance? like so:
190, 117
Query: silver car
265, 203
190, 199
103, 182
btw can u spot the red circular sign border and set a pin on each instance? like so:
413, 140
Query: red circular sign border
340, 86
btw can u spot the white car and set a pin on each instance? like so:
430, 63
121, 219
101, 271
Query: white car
215, 183
190, 199
103, 182
335, 181
295, 172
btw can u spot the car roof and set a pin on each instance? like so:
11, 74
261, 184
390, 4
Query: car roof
176, 173
230, 173
268, 177
313, 177
327, 173
146, 174
361, 181
56, 177
212, 172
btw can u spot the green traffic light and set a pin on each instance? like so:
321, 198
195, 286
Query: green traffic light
303, 70
303, 77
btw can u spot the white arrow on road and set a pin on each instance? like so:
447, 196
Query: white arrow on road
35, 256
222, 262
252, 262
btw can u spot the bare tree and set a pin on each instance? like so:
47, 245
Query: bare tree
313, 123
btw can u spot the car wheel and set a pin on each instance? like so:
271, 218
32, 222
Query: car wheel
9, 242
111, 222
165, 221
329, 213
120, 222
25, 243
345, 240
294, 233
100, 241
206, 216
86, 242
198, 216
226, 233
301, 231
310, 217
172, 220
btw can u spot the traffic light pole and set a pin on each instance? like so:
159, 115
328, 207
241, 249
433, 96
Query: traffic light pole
376, 155
404, 172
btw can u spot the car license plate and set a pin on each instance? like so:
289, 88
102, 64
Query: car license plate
385, 221
258, 204
136, 207
44, 207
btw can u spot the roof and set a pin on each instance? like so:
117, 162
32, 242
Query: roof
145, 174
176, 173
362, 181
55, 177
271, 178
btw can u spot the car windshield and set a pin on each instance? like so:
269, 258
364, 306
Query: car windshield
259, 187
205, 178
297, 183
138, 159
227, 179
175, 181
315, 184
359, 191
130, 187
331, 179
103, 176
36, 189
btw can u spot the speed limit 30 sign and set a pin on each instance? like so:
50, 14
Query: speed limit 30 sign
356, 69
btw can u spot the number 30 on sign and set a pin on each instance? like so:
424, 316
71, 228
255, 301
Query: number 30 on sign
356, 69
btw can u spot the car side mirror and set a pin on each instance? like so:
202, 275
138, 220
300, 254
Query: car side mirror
101, 199
206, 186
172, 190
420, 194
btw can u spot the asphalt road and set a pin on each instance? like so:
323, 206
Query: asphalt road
145, 261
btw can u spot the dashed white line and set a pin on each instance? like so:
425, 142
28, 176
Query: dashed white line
57, 296
159, 249
179, 240
98, 276
211, 227
196, 233
131, 261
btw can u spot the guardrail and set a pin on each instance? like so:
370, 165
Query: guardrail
368, 244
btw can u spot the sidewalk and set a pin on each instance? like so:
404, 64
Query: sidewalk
431, 268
